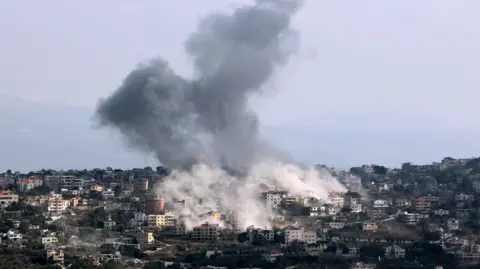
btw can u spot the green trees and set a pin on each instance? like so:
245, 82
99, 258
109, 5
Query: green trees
432, 254
372, 251
6, 225
40, 190
23, 228
154, 265
379, 170
15, 261
95, 195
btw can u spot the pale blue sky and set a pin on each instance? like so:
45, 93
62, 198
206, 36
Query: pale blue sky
375, 81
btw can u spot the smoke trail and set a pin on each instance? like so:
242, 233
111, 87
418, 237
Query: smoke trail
204, 125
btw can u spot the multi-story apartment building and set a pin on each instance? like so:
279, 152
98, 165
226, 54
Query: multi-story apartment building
55, 255
318, 211
57, 205
336, 224
154, 205
409, 218
422, 204
379, 203
351, 201
206, 232
30, 183
179, 229
453, 224
357, 208
71, 182
274, 199
402, 202
369, 226
377, 213
108, 194
290, 200
157, 220
257, 234
139, 218
52, 181
395, 252
7, 197
49, 240
293, 234
140, 186
336, 199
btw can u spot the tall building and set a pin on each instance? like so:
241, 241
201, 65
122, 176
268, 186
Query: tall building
154, 206
71, 182
140, 186
422, 204
206, 232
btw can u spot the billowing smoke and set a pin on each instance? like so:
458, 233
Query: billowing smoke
221, 192
203, 127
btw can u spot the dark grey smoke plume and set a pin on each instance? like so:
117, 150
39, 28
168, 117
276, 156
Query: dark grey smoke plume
207, 118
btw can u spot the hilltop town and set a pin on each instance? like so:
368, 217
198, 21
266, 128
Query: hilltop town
416, 216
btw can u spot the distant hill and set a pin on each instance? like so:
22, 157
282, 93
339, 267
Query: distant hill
42, 136
35, 136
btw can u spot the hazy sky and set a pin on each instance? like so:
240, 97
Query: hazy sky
383, 70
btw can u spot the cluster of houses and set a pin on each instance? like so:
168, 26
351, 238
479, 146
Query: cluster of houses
377, 198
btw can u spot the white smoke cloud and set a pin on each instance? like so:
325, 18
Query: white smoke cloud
208, 189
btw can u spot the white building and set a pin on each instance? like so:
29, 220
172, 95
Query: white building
402, 202
409, 218
274, 199
109, 224
357, 208
332, 210
139, 218
336, 224
441, 212
395, 252
317, 211
336, 199
57, 205
108, 194
453, 224
380, 203
11, 235
30, 183
7, 197
293, 234
352, 201
49, 240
